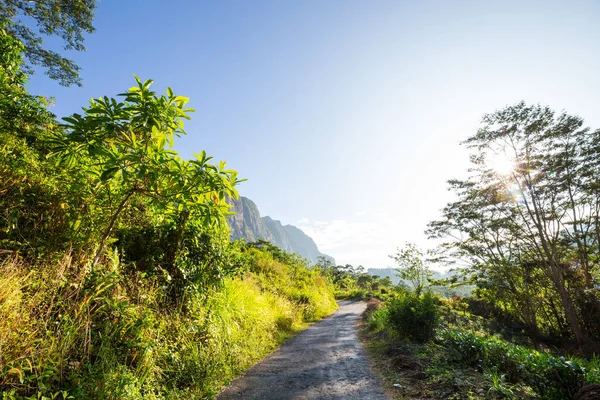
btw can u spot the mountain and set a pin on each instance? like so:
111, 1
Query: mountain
247, 224
385, 273
303, 244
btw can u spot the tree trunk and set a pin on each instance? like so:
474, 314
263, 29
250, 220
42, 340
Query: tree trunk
110, 227
571, 314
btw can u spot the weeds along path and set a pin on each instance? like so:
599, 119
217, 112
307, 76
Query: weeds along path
326, 361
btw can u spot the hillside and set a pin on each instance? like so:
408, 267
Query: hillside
117, 276
249, 225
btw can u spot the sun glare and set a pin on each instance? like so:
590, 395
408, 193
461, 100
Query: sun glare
501, 163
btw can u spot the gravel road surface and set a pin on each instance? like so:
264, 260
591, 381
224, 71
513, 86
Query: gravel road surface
326, 361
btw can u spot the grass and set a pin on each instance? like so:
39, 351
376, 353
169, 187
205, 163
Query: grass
408, 370
68, 333
463, 363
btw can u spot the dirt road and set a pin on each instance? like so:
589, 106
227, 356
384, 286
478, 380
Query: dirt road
326, 361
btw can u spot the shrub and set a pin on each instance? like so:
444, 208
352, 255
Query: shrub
414, 317
109, 333
550, 376
378, 320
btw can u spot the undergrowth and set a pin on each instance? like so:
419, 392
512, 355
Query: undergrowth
463, 358
66, 332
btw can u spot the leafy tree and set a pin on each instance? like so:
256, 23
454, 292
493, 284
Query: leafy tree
386, 282
366, 281
530, 233
324, 263
67, 19
20, 112
32, 216
125, 149
413, 266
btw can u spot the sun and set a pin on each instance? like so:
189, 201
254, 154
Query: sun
500, 163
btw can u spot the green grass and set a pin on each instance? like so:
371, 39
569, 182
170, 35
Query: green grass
550, 376
113, 335
466, 360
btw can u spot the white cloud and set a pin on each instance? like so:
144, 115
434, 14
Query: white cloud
357, 242
367, 238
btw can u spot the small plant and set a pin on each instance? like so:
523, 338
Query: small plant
414, 317
498, 385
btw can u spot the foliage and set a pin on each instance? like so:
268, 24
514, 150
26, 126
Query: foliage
117, 275
68, 20
413, 266
550, 376
109, 335
124, 148
414, 317
529, 234
418, 370
279, 254
32, 191
378, 320
353, 283
195, 260
467, 352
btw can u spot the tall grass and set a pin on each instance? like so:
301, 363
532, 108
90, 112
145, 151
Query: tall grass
65, 331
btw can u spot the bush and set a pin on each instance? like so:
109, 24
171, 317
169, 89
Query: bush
550, 376
377, 320
110, 334
414, 317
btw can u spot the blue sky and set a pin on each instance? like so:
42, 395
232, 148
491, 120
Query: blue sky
345, 116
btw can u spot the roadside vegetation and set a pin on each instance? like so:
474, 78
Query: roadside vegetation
117, 276
431, 347
118, 279
525, 232
353, 283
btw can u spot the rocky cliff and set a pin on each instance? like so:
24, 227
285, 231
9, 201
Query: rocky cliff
246, 223
249, 225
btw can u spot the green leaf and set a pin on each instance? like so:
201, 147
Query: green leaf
108, 173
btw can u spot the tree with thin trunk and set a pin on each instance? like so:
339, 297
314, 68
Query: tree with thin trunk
530, 201
412, 266
127, 148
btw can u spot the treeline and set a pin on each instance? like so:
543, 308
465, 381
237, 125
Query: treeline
526, 222
117, 276
356, 283
352, 282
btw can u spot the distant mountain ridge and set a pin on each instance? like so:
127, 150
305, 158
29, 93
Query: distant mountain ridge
249, 225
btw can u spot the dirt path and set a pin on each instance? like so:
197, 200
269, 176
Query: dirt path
326, 361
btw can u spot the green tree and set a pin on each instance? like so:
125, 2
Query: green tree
32, 218
386, 282
366, 281
325, 263
125, 148
67, 19
413, 266
536, 219
20, 112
